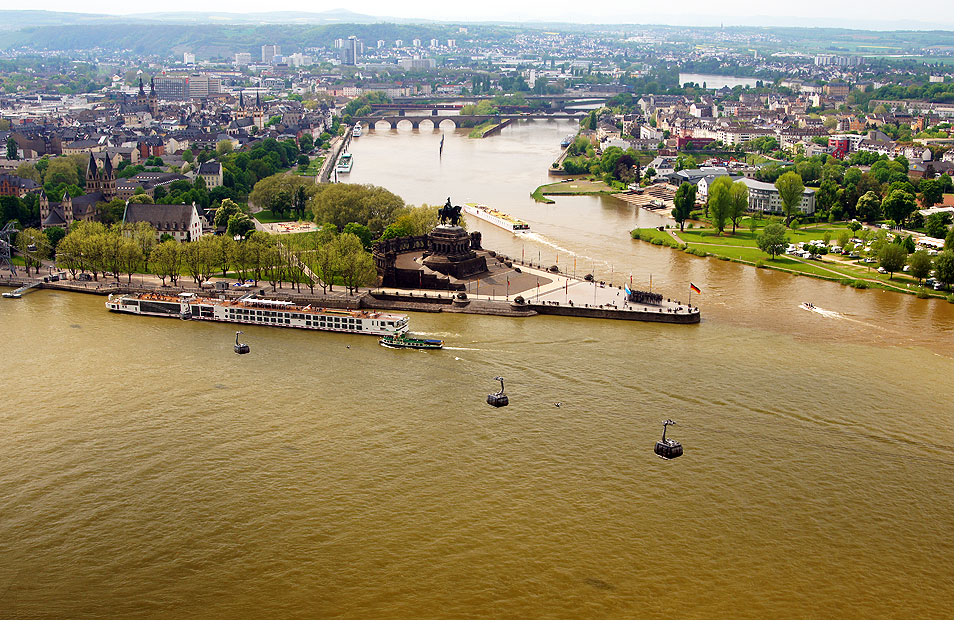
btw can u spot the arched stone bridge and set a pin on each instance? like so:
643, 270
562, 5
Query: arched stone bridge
416, 120
458, 120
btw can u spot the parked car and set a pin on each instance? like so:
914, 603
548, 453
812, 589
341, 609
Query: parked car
84, 276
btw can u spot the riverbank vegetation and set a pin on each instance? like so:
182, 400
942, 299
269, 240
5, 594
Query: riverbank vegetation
763, 249
579, 187
478, 131
318, 259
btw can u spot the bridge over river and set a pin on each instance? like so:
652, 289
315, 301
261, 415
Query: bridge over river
458, 120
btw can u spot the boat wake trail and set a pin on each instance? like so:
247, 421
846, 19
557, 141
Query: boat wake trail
540, 239
457, 348
834, 315
825, 313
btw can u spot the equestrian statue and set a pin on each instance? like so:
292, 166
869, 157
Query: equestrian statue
449, 213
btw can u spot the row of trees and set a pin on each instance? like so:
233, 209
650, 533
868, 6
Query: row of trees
321, 258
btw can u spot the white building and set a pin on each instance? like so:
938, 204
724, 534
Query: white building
765, 197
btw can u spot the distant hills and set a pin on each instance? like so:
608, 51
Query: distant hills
212, 34
18, 19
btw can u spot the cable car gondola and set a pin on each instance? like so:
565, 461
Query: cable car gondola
240, 348
498, 399
668, 448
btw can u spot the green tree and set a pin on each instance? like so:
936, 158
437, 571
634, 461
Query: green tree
827, 194
931, 192
943, 267
12, 148
199, 258
188, 155
141, 198
326, 260
946, 183
144, 235
937, 223
306, 143
131, 258
29, 170
34, 246
240, 225
684, 201
892, 257
362, 233
61, 170
228, 208
55, 235
868, 207
920, 264
224, 146
790, 186
224, 250
720, 201
165, 259
369, 205
739, 201
898, 205
773, 240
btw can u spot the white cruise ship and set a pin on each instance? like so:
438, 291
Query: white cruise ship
253, 310
357, 129
345, 163
496, 217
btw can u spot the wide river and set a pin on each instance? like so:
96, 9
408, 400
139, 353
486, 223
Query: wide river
149, 472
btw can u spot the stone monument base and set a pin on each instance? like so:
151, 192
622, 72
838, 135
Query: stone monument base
449, 251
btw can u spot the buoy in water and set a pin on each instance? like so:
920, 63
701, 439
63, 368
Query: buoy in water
668, 448
240, 348
498, 399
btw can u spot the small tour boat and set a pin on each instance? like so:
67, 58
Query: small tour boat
403, 341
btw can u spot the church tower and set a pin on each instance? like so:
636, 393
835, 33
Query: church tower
103, 180
142, 96
67, 208
257, 114
154, 104
44, 206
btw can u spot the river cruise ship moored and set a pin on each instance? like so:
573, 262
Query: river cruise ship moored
498, 218
252, 310
345, 163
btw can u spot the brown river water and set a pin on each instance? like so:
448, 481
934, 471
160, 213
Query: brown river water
149, 472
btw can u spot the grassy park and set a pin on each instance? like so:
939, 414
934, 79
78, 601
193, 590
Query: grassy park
578, 187
742, 248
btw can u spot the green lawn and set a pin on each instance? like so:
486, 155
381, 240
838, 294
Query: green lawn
477, 132
742, 247
579, 187
269, 217
313, 168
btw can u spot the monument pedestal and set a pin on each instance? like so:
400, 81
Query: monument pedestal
449, 251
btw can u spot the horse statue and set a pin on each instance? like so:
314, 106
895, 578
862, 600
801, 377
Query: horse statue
449, 213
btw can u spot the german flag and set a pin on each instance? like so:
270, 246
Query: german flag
694, 288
